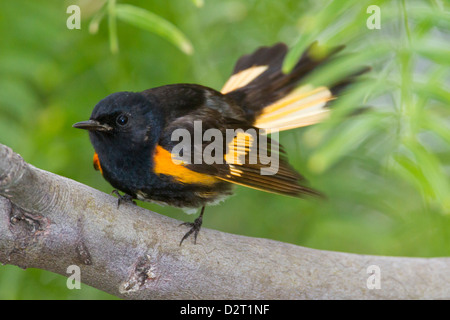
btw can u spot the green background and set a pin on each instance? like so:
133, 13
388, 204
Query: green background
385, 172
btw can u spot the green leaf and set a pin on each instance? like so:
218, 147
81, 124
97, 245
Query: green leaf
296, 51
351, 135
433, 91
426, 172
112, 24
314, 24
151, 22
198, 3
96, 19
435, 52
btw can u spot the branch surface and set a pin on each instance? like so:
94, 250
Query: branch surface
51, 222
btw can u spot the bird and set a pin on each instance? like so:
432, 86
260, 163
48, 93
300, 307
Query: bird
133, 133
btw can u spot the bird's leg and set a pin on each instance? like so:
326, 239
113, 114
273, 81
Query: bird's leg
126, 198
195, 227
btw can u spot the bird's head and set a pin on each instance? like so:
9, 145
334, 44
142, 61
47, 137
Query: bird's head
124, 121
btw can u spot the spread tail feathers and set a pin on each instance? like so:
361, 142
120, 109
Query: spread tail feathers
274, 100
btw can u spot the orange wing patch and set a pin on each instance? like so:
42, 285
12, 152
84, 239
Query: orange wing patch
97, 165
243, 78
239, 147
304, 106
165, 164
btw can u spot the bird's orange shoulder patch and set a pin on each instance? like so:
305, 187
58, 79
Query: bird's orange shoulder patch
165, 164
97, 165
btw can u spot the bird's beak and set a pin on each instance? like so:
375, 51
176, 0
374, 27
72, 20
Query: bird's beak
92, 125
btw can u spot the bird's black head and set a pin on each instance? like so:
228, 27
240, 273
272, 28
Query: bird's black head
123, 128
124, 117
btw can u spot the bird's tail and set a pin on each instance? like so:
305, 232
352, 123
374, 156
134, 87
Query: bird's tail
274, 100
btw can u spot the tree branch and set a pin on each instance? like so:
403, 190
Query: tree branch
51, 222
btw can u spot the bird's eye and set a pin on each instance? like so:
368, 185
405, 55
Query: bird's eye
122, 120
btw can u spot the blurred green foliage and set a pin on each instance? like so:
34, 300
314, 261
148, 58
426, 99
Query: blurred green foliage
385, 171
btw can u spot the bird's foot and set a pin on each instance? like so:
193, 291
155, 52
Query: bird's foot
126, 198
195, 227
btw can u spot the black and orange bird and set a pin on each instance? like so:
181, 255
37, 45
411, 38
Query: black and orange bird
133, 132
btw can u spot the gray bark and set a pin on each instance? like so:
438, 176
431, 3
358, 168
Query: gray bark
51, 222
